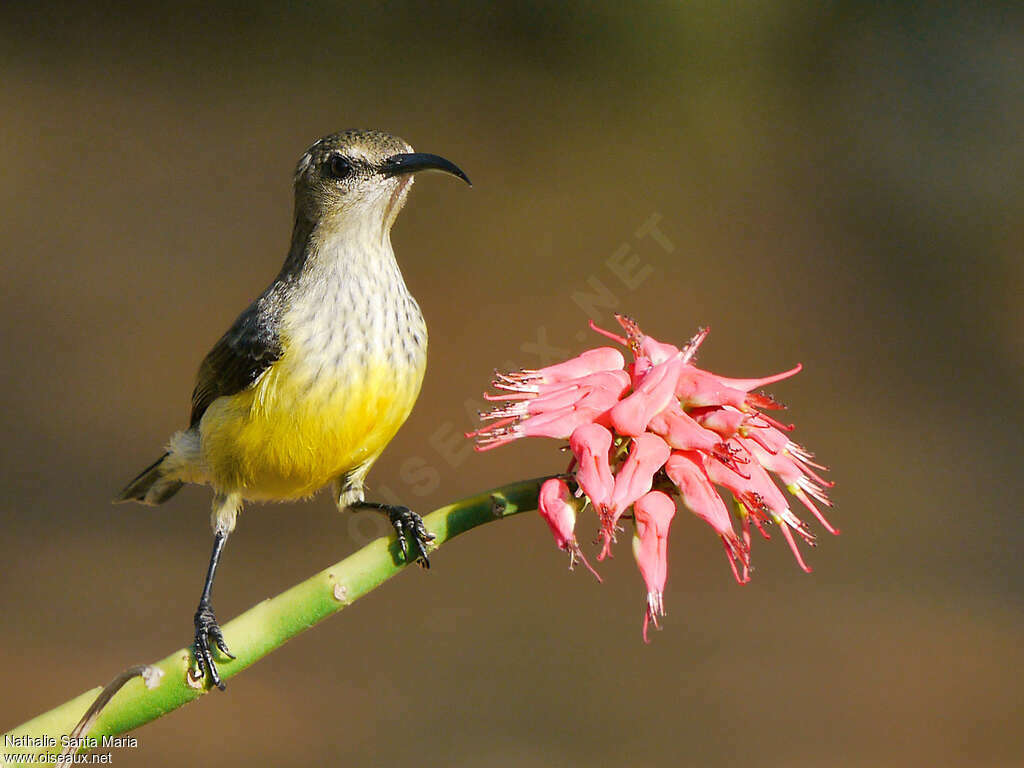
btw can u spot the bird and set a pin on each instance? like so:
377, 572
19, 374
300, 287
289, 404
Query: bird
316, 376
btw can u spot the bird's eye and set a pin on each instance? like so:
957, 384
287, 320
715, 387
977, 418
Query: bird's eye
339, 167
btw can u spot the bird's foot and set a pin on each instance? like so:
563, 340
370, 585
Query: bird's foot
409, 526
207, 630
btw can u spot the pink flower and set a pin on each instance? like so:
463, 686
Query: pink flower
686, 471
557, 506
591, 361
551, 409
792, 465
684, 433
653, 431
632, 480
633, 413
725, 422
653, 513
591, 444
761, 497
696, 388
643, 345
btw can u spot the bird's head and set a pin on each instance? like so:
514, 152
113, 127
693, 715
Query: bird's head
359, 178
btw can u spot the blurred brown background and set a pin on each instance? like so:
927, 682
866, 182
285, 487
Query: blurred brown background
840, 185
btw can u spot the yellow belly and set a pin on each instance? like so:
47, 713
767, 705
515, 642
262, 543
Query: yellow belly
298, 429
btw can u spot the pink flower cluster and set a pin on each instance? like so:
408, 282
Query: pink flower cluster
651, 432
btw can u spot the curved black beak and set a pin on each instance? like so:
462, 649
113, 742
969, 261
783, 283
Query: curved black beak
413, 162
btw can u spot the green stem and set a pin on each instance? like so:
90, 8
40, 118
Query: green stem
269, 624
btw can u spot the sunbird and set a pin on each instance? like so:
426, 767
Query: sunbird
317, 375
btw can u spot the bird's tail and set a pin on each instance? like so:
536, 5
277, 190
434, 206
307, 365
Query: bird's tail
152, 486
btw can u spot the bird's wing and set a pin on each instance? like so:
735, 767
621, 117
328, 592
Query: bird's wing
250, 346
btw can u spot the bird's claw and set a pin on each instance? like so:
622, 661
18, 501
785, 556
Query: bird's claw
208, 629
409, 525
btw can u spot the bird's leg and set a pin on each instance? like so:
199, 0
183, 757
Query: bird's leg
206, 626
408, 525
